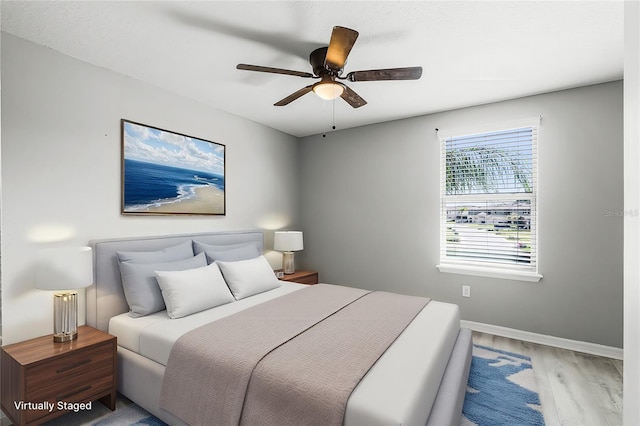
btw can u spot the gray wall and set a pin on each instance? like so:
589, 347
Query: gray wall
370, 212
61, 168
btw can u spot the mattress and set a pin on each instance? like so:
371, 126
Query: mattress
397, 388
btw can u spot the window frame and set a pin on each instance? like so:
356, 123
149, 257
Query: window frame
481, 268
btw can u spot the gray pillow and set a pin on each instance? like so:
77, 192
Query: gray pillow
141, 286
199, 247
169, 254
246, 252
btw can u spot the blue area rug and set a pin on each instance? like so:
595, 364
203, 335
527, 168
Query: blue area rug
501, 390
131, 415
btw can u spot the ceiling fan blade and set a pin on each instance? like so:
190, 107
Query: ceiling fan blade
352, 97
292, 97
410, 73
273, 70
342, 40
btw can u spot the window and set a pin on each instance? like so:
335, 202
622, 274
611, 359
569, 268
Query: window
488, 187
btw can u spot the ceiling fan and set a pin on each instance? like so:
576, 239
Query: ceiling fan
328, 64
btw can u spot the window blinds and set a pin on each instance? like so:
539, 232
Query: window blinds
488, 198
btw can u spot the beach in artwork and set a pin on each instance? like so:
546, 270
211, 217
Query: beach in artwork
206, 200
155, 188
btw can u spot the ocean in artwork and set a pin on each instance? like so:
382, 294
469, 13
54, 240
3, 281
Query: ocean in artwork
152, 185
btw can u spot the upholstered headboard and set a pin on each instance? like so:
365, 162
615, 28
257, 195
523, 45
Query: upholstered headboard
105, 298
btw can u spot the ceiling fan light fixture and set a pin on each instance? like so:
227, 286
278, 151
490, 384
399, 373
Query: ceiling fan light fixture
328, 90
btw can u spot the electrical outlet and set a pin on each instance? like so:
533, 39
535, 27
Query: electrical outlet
466, 291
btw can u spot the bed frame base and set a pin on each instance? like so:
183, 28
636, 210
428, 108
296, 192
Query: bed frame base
140, 380
447, 408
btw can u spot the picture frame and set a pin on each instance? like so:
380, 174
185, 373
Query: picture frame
169, 173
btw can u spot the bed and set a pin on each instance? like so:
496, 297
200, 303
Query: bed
420, 379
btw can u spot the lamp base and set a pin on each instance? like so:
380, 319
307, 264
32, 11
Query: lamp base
65, 316
61, 337
288, 264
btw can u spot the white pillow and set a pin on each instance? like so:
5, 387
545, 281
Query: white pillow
141, 286
193, 290
248, 277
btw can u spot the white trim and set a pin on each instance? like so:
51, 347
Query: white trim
542, 339
507, 274
489, 127
492, 196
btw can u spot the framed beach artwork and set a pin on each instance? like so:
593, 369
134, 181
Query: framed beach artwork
165, 172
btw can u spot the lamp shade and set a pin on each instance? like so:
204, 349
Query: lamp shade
64, 268
288, 241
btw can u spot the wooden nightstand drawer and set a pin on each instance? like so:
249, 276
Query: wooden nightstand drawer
302, 277
70, 374
43, 379
310, 279
82, 389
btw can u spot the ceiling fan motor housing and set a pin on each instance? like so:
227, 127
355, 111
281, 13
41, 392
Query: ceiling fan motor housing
316, 59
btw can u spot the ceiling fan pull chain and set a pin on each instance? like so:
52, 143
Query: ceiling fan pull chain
333, 104
324, 110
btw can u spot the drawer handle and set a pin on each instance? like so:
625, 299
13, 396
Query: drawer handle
63, 397
72, 366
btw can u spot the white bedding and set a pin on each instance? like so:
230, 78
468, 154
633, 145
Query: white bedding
153, 336
394, 391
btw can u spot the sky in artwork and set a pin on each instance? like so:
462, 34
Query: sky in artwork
151, 145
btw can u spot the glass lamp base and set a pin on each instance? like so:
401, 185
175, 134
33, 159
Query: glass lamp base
65, 316
288, 264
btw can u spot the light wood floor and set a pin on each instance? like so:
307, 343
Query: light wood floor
575, 388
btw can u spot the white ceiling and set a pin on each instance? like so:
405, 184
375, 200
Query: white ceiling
471, 52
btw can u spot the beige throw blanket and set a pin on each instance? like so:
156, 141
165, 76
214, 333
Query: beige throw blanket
292, 360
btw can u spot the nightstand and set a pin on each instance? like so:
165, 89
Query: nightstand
43, 379
302, 277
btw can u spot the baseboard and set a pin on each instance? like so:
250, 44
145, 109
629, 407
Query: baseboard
542, 339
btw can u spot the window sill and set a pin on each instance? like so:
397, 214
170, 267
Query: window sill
490, 272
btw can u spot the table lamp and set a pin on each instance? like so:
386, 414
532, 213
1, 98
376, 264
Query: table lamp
287, 242
63, 270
